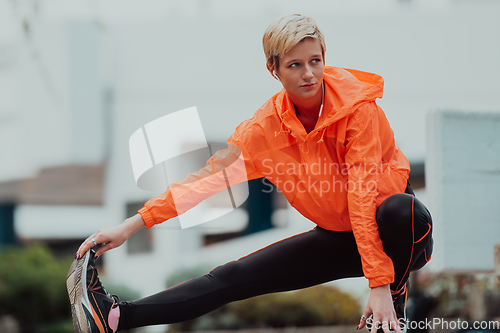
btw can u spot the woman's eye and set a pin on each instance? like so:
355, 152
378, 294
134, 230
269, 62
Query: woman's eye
316, 60
295, 64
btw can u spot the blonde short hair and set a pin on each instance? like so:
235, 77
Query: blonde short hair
284, 33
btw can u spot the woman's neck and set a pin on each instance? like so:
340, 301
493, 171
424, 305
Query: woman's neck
308, 111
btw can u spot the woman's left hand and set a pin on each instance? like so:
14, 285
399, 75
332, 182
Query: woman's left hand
380, 306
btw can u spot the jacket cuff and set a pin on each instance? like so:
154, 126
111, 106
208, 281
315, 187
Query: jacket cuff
146, 216
380, 281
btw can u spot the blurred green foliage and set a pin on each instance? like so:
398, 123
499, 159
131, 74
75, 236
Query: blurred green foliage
315, 306
33, 289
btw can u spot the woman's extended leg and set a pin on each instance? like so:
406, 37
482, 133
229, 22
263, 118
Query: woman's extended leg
296, 262
300, 261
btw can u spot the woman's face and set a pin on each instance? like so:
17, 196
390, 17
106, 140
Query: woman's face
301, 70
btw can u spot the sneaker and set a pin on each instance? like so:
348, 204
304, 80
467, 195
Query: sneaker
399, 299
90, 302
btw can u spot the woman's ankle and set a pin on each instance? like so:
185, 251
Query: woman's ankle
114, 317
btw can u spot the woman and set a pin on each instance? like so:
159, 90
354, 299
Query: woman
325, 143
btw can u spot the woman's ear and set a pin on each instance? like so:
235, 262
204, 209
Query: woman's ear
272, 71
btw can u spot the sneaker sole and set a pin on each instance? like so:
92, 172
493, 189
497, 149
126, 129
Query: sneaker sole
77, 291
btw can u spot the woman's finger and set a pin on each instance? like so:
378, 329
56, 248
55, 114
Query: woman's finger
104, 248
85, 241
366, 316
82, 246
89, 243
389, 324
386, 326
395, 326
376, 322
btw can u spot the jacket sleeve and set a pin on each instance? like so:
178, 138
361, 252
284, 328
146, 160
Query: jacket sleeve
364, 161
225, 168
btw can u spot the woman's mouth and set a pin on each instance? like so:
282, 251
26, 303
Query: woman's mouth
308, 86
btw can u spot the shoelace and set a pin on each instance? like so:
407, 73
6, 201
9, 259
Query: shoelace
96, 285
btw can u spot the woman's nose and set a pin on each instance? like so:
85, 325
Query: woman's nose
308, 74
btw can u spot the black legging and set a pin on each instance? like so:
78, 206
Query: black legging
296, 262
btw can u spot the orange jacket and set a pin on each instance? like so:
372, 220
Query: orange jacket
336, 175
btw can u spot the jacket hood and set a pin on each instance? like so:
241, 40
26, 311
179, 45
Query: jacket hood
345, 90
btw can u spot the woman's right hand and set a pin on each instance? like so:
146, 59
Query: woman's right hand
111, 237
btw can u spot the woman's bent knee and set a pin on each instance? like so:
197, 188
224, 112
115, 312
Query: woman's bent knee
402, 214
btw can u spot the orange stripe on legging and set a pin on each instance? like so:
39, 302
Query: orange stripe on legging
264, 248
273, 244
425, 233
425, 256
413, 240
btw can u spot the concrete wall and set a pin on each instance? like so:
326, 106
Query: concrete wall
463, 187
